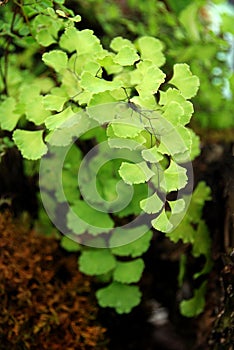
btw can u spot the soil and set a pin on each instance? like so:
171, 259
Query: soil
47, 304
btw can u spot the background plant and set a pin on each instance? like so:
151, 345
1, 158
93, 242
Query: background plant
74, 75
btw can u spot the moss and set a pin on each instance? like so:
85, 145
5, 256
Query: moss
45, 302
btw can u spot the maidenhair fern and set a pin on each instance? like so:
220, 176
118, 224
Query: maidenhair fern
132, 156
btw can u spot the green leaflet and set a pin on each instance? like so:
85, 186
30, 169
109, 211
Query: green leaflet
173, 112
173, 143
174, 177
35, 110
101, 98
147, 102
30, 143
194, 306
102, 113
46, 29
84, 42
129, 133
90, 66
96, 85
184, 80
126, 128
184, 231
62, 137
151, 205
32, 102
69, 244
8, 117
56, 59
201, 194
174, 95
107, 62
128, 272
135, 173
61, 13
147, 77
151, 81
119, 296
161, 223
96, 261
29, 92
126, 56
128, 234
55, 100
73, 127
151, 49
152, 155
202, 240
118, 43
71, 84
81, 218
177, 206
136, 248
129, 144
56, 120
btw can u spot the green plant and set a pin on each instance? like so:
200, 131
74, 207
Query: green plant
191, 32
193, 230
70, 104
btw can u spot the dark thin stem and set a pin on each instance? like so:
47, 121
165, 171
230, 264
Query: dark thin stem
1, 73
5, 66
21, 6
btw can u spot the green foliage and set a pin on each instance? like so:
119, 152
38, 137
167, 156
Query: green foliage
193, 230
96, 261
119, 296
133, 249
194, 306
129, 272
9, 118
76, 90
192, 32
182, 80
135, 173
30, 143
69, 244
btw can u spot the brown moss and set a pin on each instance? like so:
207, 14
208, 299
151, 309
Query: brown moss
45, 303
